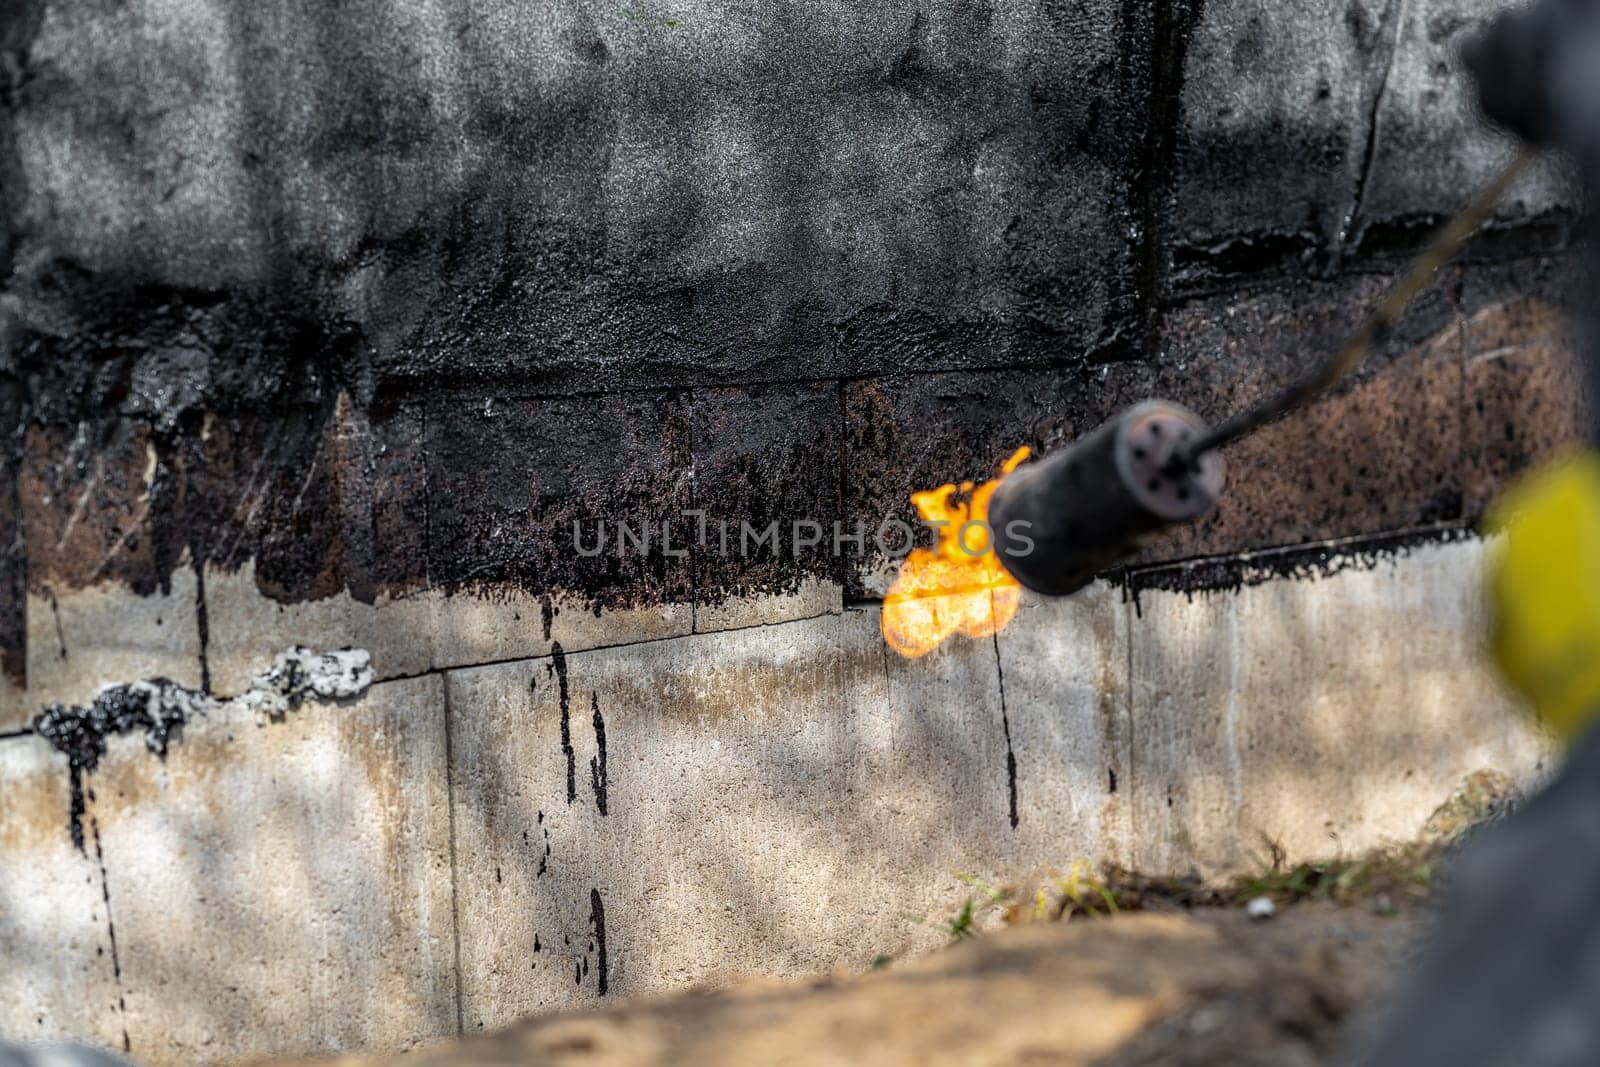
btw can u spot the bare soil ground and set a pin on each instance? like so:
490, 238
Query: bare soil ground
1205, 986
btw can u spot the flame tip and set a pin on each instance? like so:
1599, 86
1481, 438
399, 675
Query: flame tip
951, 588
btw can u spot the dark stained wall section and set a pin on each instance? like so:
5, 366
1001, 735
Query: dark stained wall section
13, 567
378, 296
597, 198
507, 479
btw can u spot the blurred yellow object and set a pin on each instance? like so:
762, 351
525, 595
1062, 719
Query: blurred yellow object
1545, 587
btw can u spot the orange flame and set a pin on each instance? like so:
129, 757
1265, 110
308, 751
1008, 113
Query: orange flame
954, 587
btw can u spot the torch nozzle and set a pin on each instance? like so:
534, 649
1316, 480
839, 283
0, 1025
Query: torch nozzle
1059, 522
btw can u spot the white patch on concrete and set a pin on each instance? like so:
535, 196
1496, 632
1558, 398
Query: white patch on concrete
431, 630
245, 626
300, 674
296, 675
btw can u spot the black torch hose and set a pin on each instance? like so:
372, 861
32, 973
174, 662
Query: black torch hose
1373, 331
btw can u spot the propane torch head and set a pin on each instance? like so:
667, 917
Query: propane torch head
1080, 511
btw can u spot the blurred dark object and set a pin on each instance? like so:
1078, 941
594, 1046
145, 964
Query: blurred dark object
1537, 70
57, 1055
1087, 507
1512, 975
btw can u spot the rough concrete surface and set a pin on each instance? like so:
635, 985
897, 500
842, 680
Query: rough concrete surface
269, 885
721, 803
83, 639
1272, 99
1240, 741
1359, 109
430, 629
1425, 159
58, 962
781, 800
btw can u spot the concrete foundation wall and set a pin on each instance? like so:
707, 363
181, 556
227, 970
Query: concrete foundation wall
455, 851
329, 314
321, 324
